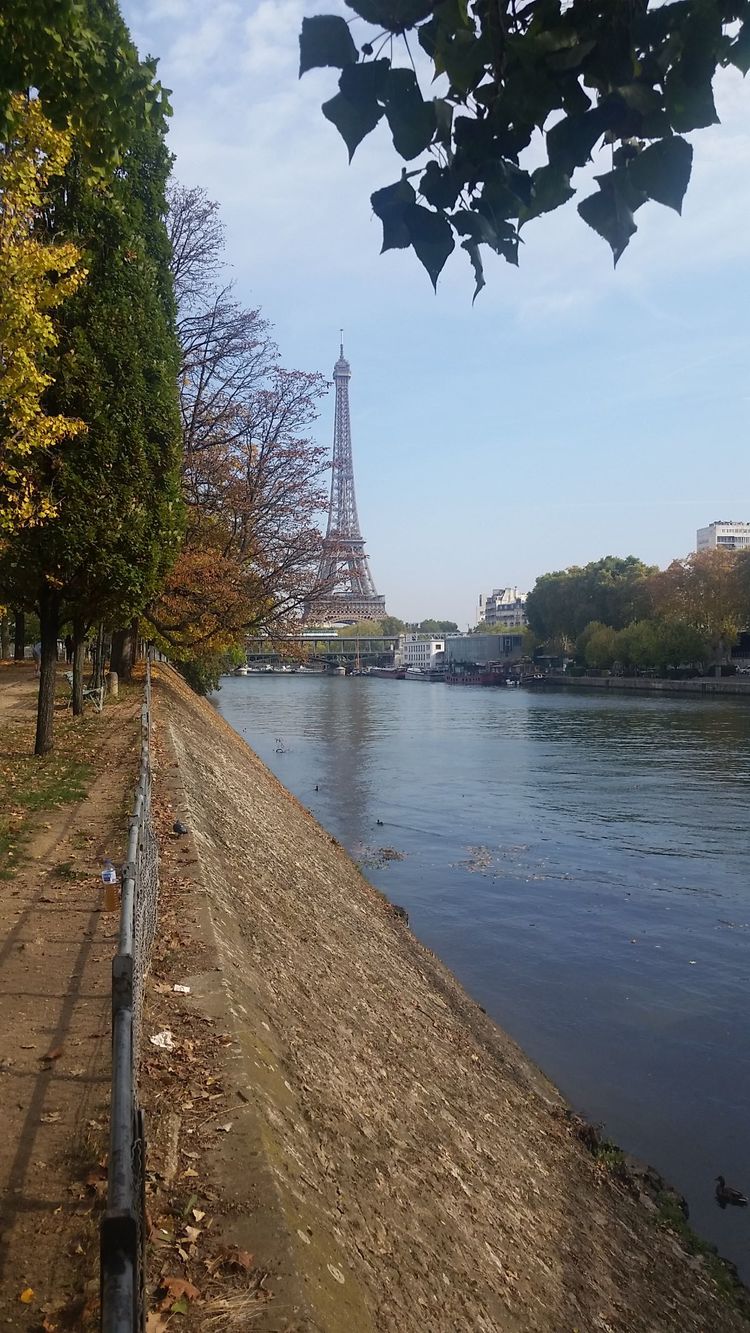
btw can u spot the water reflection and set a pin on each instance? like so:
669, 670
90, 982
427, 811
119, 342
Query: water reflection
344, 724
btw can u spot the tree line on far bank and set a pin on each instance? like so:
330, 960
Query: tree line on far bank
622, 612
156, 471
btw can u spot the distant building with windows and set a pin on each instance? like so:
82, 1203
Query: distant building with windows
724, 534
481, 649
503, 606
419, 650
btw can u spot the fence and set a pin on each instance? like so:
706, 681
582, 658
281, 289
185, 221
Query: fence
122, 1239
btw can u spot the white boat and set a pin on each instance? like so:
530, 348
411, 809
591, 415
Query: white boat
242, 671
416, 673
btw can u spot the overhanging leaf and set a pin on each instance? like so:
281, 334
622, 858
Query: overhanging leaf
611, 217
443, 121
390, 205
432, 238
439, 186
472, 250
499, 235
550, 187
353, 120
464, 60
690, 105
570, 141
739, 51
393, 15
412, 120
662, 171
364, 82
324, 40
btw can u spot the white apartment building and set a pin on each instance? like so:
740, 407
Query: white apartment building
417, 650
503, 606
724, 533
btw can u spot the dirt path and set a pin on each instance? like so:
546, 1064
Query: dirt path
18, 687
390, 1157
55, 960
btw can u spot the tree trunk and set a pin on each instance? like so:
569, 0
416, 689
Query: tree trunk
115, 657
19, 641
79, 654
134, 625
5, 636
48, 622
123, 651
97, 659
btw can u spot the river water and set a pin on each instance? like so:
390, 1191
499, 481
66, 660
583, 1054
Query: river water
582, 863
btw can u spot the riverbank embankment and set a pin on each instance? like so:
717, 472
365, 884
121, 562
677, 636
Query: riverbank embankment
720, 686
388, 1157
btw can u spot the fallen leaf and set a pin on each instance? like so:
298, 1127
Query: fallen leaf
54, 1054
180, 1306
231, 1258
26, 1296
243, 1258
50, 1117
197, 1214
192, 1234
224, 1129
155, 1323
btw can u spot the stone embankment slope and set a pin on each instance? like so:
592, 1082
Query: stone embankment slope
395, 1162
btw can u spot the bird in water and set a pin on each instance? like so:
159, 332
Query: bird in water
379, 823
726, 1194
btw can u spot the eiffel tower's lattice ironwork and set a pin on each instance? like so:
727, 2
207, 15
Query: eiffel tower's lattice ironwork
344, 566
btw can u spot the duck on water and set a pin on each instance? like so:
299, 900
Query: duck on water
726, 1194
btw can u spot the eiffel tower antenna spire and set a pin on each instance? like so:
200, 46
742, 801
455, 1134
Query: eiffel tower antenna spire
344, 566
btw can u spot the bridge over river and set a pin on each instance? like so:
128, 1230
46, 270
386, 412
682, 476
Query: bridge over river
325, 649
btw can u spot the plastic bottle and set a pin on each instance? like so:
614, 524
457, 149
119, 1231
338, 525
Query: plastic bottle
111, 894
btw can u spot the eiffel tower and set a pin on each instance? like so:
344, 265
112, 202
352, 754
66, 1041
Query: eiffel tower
344, 566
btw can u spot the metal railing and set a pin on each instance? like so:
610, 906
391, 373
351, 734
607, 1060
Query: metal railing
122, 1235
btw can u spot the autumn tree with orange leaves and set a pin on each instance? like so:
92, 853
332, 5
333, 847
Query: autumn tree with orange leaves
253, 479
708, 590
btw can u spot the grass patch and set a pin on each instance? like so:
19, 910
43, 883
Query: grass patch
610, 1156
30, 785
65, 870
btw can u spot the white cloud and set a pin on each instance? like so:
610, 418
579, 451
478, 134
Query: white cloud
204, 43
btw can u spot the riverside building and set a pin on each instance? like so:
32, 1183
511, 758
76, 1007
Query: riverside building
503, 606
724, 534
416, 650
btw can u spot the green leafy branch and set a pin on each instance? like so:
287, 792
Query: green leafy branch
632, 77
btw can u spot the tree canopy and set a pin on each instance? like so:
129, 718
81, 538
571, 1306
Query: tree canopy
38, 273
622, 611
102, 549
518, 79
252, 479
80, 59
708, 590
613, 590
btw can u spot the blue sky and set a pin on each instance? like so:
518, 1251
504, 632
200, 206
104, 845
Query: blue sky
572, 412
